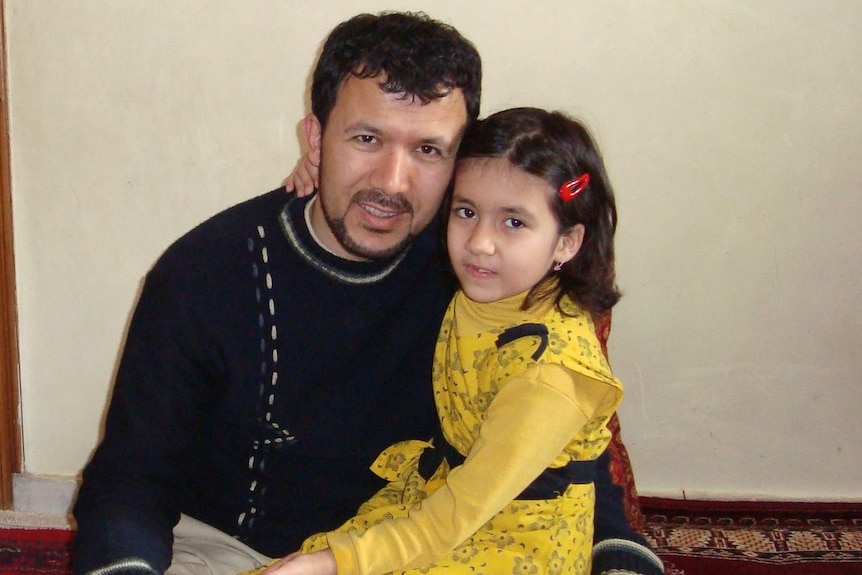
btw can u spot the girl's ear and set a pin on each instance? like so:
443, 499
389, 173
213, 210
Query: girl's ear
313, 137
569, 244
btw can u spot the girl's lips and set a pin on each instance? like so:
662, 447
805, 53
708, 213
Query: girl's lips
478, 271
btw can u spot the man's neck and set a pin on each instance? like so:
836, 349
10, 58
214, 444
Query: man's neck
319, 229
308, 220
295, 221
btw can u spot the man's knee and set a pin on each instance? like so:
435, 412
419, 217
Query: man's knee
200, 549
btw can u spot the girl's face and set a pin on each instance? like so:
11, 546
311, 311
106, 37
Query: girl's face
502, 236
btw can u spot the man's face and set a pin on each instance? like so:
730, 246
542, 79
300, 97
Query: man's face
385, 163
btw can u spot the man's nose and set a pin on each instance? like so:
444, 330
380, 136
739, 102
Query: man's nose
393, 171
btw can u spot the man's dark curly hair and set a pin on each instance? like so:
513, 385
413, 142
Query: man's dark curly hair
417, 56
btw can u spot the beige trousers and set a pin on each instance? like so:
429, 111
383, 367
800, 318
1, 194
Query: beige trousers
200, 549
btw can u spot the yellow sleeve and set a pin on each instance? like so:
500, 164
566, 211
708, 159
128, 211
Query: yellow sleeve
529, 422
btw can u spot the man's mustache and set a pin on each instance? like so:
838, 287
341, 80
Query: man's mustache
397, 203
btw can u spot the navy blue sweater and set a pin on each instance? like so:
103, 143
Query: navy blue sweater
260, 377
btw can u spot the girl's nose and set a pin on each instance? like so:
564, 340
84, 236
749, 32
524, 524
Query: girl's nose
481, 240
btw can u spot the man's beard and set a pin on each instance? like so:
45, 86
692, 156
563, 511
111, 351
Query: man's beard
375, 196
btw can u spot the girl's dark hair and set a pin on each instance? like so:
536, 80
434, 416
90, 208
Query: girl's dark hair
417, 56
558, 149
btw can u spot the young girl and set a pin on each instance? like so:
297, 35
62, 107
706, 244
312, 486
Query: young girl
522, 389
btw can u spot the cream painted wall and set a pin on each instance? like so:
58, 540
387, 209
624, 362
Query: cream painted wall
732, 131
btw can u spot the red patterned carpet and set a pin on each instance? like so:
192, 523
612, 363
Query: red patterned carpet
755, 538
29, 551
692, 537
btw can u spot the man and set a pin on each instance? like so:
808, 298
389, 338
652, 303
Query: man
277, 348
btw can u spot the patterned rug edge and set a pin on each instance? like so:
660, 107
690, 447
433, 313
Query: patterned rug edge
692, 537
755, 537
11, 519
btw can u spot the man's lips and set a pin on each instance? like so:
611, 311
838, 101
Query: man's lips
379, 212
378, 219
377, 204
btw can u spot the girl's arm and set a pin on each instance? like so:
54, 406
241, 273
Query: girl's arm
304, 177
506, 457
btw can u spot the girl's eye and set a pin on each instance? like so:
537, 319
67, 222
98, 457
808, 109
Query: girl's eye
465, 213
513, 223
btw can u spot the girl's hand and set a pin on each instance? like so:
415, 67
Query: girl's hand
317, 563
304, 178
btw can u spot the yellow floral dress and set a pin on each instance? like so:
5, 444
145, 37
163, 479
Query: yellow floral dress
514, 405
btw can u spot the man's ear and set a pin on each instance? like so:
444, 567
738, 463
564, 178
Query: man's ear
569, 243
313, 136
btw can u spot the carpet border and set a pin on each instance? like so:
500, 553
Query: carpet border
649, 504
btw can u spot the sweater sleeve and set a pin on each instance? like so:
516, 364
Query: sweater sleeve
129, 498
549, 402
617, 548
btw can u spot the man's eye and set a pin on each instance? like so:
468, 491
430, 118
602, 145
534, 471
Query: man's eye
465, 213
513, 223
366, 139
428, 150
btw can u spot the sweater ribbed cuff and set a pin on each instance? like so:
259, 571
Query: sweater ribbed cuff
624, 557
131, 566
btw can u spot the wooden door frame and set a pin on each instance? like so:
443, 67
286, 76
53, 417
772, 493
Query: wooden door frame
10, 429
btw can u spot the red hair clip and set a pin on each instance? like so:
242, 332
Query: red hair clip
570, 189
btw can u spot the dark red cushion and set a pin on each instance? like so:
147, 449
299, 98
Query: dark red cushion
621, 466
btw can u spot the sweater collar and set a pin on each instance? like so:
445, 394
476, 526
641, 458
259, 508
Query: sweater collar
300, 238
